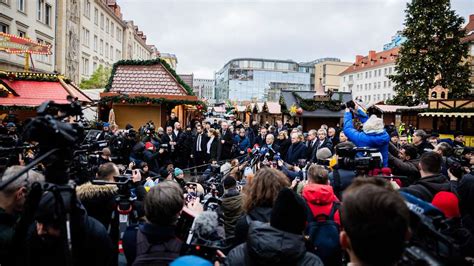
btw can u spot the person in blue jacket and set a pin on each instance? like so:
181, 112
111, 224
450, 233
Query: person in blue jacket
373, 134
242, 142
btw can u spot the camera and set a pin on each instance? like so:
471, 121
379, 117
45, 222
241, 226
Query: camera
361, 159
349, 104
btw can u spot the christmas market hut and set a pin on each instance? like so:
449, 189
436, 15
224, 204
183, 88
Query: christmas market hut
142, 91
397, 114
264, 112
312, 109
22, 92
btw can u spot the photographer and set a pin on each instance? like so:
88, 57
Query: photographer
406, 163
431, 181
373, 134
375, 223
46, 243
231, 206
12, 201
340, 178
155, 242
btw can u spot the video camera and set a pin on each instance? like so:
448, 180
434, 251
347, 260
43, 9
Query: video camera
361, 159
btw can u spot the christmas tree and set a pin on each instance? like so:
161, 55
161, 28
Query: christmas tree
433, 48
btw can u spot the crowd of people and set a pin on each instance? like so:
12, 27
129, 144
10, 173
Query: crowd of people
305, 202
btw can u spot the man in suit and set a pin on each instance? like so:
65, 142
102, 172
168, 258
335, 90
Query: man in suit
279, 127
270, 144
199, 149
226, 142
170, 140
322, 142
310, 143
261, 137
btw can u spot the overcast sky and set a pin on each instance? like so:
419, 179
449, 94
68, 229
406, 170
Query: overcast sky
205, 35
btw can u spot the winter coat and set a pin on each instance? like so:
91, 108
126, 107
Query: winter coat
320, 199
242, 143
423, 147
427, 187
261, 214
226, 148
284, 146
152, 160
99, 201
405, 168
325, 144
93, 246
267, 245
345, 179
361, 139
7, 232
295, 152
231, 208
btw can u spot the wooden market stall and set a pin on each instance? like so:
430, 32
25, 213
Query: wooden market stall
143, 91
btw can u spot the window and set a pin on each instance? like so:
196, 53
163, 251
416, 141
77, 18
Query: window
385, 84
385, 71
268, 65
21, 33
101, 47
380, 72
85, 66
39, 14
107, 25
96, 16
4, 28
85, 37
390, 70
118, 54
7, 2
366, 75
107, 50
87, 9
111, 53
47, 15
119, 34
101, 20
95, 43
112, 29
379, 85
94, 67
21, 5
390, 83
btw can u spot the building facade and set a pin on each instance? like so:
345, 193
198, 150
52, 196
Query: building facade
469, 28
205, 89
135, 46
367, 78
171, 59
35, 20
245, 79
327, 71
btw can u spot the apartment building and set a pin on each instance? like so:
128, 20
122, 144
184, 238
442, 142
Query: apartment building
135, 46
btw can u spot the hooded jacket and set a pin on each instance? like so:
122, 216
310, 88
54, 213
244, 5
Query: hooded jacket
362, 139
98, 200
320, 199
427, 187
232, 210
267, 245
295, 152
261, 214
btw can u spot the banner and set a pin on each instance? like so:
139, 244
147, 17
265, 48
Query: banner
16, 45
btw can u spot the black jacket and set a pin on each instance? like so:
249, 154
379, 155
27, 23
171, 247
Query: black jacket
404, 168
99, 201
309, 151
151, 159
284, 146
231, 211
261, 214
427, 187
91, 243
295, 152
339, 184
325, 144
227, 146
425, 146
204, 140
260, 140
269, 246
214, 149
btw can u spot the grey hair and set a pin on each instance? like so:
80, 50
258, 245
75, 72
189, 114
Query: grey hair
25, 180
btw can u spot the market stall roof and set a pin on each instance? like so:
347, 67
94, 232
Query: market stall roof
289, 98
448, 114
387, 108
273, 107
151, 78
32, 89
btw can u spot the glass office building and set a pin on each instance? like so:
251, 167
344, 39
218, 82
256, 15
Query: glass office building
246, 79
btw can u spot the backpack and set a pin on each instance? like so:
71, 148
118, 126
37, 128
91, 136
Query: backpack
160, 254
323, 233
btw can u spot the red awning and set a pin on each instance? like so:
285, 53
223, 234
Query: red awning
34, 93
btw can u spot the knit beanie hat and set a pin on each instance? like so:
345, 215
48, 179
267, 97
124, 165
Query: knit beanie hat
149, 146
289, 212
178, 171
448, 203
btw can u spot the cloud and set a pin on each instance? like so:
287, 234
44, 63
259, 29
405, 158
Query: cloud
207, 34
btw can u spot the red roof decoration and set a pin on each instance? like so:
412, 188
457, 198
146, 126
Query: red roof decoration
145, 79
34, 93
373, 60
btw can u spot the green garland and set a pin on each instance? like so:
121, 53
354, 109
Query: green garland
143, 99
312, 105
31, 76
284, 108
156, 61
